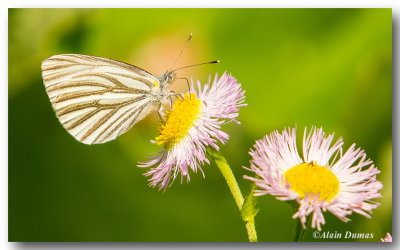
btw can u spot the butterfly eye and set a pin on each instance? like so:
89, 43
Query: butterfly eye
171, 77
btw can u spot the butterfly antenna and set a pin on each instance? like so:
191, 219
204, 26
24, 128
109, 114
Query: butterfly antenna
184, 46
194, 65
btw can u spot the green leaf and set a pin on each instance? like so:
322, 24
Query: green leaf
249, 209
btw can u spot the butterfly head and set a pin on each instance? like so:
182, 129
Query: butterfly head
167, 78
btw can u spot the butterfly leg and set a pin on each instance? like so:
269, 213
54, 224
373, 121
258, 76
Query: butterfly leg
176, 94
160, 113
172, 94
188, 84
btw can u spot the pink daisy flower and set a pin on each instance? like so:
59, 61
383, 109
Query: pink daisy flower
324, 179
388, 238
193, 124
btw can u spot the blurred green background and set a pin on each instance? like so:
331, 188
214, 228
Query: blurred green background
304, 67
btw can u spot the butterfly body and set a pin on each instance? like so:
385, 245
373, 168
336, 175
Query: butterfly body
96, 99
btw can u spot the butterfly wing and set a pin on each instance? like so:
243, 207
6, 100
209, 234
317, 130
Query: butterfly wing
96, 99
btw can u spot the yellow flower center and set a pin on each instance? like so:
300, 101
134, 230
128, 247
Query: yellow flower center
312, 179
179, 120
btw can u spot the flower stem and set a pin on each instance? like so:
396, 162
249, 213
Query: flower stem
230, 179
299, 233
227, 173
251, 230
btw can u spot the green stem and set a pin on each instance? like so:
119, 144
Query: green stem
227, 173
299, 231
230, 179
251, 230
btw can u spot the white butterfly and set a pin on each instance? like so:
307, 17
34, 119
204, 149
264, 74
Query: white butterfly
96, 99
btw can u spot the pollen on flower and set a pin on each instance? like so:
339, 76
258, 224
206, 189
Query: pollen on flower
312, 179
179, 120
